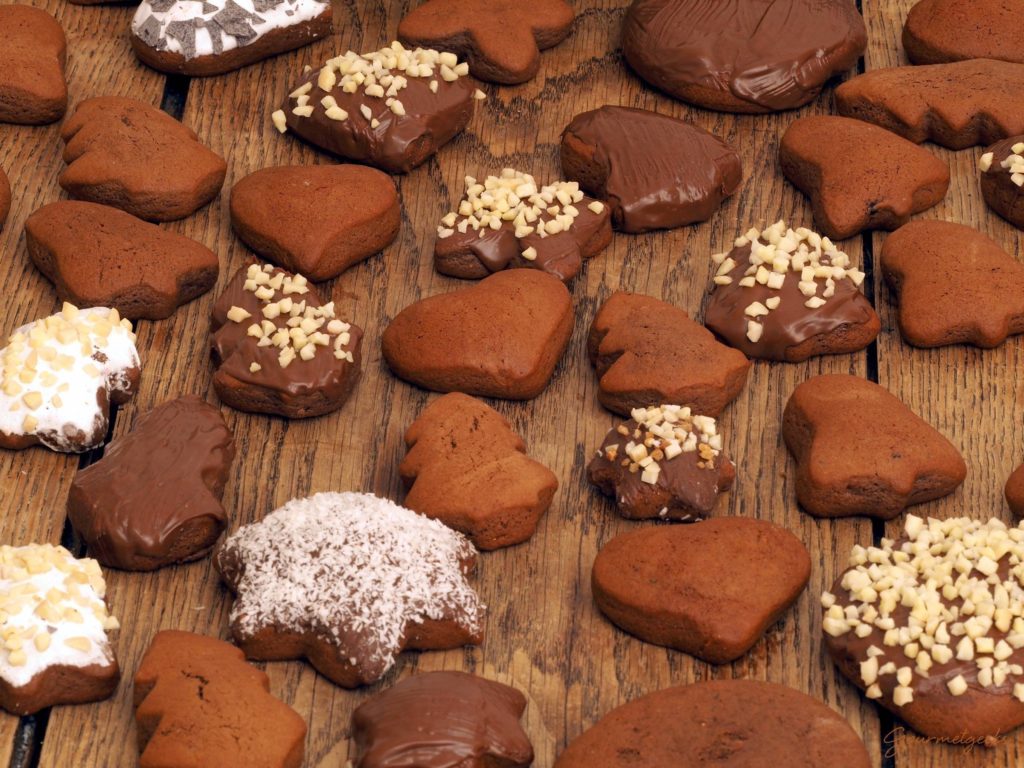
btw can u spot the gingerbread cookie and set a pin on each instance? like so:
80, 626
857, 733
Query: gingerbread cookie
1002, 179
949, 30
5, 197
218, 36
279, 348
860, 451
197, 704
501, 41
444, 720
647, 351
931, 627
785, 294
60, 376
55, 626
155, 497
33, 90
654, 171
679, 586
98, 256
132, 156
954, 285
956, 105
391, 108
316, 219
500, 338
736, 723
1015, 492
509, 221
665, 463
859, 176
467, 468
742, 55
348, 581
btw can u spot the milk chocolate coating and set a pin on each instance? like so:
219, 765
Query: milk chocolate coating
742, 55
997, 187
442, 720
793, 331
684, 490
304, 389
654, 171
399, 143
154, 497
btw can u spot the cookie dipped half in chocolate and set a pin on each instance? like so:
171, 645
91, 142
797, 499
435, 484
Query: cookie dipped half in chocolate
931, 626
391, 108
155, 497
509, 221
665, 463
742, 55
1002, 179
279, 348
652, 170
785, 294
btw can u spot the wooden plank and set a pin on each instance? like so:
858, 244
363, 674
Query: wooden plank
544, 633
971, 396
36, 481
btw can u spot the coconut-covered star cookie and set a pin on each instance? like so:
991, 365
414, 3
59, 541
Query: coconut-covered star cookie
60, 375
502, 40
348, 581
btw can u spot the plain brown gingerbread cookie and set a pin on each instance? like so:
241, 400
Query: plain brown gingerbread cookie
33, 89
859, 176
132, 156
681, 586
646, 351
717, 723
951, 30
98, 256
502, 41
1014, 492
502, 337
954, 285
198, 703
1002, 179
467, 468
860, 451
956, 105
317, 219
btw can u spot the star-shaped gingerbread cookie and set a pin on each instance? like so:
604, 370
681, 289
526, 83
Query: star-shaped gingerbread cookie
348, 581
502, 40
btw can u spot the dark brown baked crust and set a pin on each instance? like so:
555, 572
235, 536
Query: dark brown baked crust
60, 684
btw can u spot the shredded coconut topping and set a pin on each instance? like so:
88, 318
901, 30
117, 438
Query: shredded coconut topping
353, 569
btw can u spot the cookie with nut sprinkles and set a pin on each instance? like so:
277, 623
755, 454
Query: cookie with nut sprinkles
1002, 179
931, 626
55, 626
392, 108
217, 36
60, 376
645, 350
279, 348
785, 294
348, 581
860, 451
509, 221
664, 463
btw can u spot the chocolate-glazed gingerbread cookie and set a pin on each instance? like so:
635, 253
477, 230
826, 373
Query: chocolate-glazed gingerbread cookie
442, 720
742, 55
664, 463
509, 221
279, 348
1002, 179
154, 497
784, 294
654, 171
391, 108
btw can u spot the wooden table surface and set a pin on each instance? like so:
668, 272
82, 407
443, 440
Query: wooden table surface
544, 634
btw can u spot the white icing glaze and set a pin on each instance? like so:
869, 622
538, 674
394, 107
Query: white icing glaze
205, 42
74, 354
41, 574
